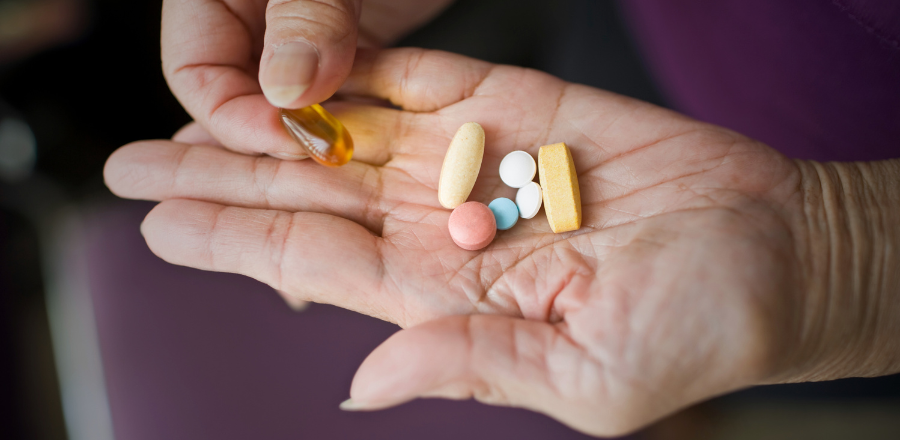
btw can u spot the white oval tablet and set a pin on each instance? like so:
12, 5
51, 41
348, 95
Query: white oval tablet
529, 199
517, 169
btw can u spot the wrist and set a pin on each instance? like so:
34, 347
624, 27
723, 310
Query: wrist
848, 248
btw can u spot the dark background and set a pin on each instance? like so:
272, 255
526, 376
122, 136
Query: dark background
93, 82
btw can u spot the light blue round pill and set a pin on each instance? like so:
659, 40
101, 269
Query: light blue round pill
505, 212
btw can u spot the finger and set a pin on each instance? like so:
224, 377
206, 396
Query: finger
375, 129
497, 360
309, 49
313, 256
416, 79
194, 133
160, 170
210, 51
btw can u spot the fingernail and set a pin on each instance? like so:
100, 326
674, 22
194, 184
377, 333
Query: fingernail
299, 305
352, 405
296, 304
288, 156
289, 72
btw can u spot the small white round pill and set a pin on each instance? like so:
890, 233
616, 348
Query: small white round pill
517, 169
529, 199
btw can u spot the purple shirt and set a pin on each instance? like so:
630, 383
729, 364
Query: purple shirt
816, 79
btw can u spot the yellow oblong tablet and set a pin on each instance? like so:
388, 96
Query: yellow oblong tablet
461, 165
559, 182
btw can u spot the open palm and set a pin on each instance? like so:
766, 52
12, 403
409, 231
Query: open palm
681, 284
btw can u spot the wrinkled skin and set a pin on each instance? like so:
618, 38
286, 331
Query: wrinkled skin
684, 281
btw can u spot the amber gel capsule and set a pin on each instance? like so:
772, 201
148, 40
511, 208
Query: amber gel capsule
319, 133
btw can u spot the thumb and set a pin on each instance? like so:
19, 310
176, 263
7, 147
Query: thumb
497, 360
309, 49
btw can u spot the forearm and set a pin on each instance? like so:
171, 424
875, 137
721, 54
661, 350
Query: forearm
850, 324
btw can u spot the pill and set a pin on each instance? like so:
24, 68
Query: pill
529, 199
472, 226
505, 212
320, 134
517, 169
562, 199
461, 165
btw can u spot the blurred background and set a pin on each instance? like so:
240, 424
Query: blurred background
101, 340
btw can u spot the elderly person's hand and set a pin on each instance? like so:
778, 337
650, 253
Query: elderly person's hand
220, 57
707, 261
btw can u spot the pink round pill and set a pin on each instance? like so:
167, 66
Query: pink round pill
472, 226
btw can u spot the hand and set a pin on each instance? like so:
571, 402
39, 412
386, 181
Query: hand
687, 279
301, 51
